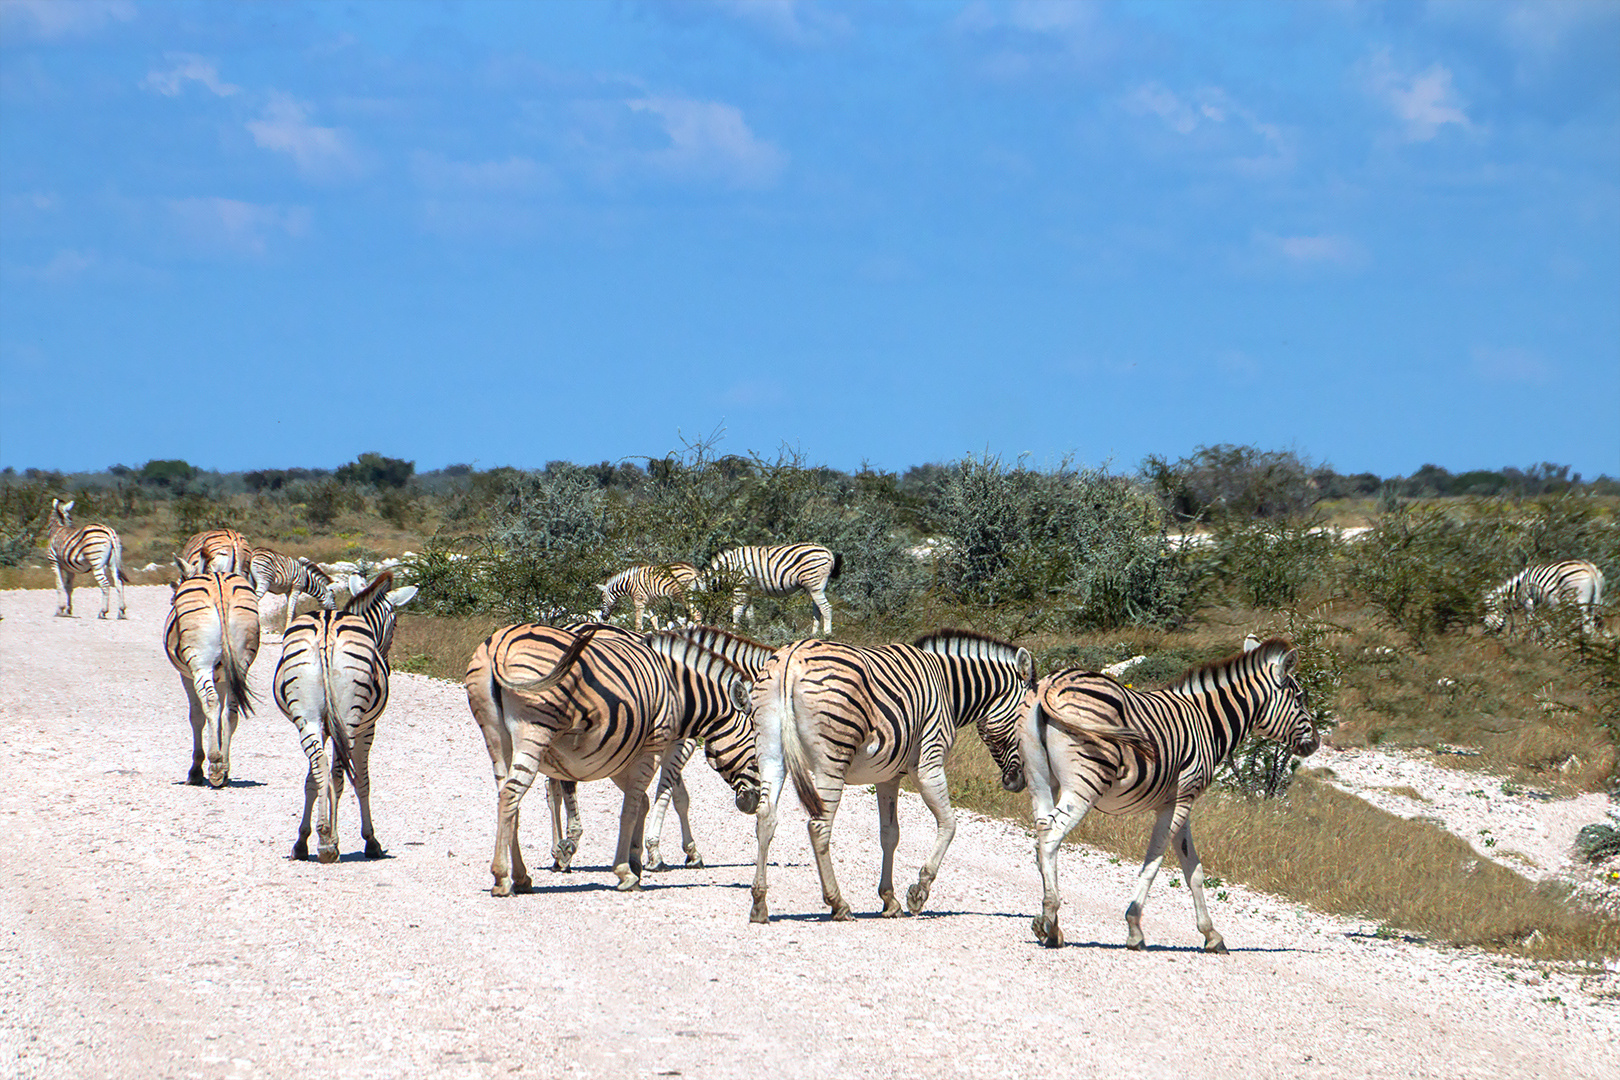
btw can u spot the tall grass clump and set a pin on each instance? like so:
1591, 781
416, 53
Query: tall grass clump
1272, 563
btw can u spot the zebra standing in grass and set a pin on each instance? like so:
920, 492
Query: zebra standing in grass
1087, 741
211, 638
594, 704
224, 551
643, 584
332, 682
89, 549
832, 714
778, 571
1547, 585
272, 572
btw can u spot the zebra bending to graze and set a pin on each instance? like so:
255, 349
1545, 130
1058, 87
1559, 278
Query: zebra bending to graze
211, 638
89, 549
643, 584
223, 551
1088, 741
272, 572
595, 704
778, 571
332, 682
832, 714
1574, 581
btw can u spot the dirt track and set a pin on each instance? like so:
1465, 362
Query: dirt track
148, 928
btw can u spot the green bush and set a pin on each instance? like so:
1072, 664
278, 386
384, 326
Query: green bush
1426, 570
1272, 562
548, 548
1237, 482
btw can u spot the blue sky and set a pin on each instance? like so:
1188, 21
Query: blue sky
266, 235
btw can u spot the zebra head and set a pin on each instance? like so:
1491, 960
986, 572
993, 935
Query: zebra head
610, 597
195, 566
990, 680
728, 735
1285, 714
62, 513
318, 584
376, 605
1495, 608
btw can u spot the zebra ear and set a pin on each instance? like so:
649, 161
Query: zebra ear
1251, 643
742, 695
357, 585
1290, 661
1026, 666
304, 560
189, 568
362, 596
401, 596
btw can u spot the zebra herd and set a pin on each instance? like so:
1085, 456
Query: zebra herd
591, 701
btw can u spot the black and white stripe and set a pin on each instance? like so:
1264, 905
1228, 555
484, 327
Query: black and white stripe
643, 584
211, 637
831, 714
272, 572
332, 683
1547, 585
777, 571
89, 549
223, 551
1088, 741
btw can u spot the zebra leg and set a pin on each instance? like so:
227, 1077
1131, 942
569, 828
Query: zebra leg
292, 610
100, 572
888, 797
1170, 822
772, 775
821, 843
1052, 824
530, 746
64, 591
931, 785
821, 612
215, 742
312, 788
739, 603
198, 720
360, 756
312, 737
562, 797
330, 810
672, 789
632, 821
1193, 870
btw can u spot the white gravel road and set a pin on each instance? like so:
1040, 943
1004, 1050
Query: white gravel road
150, 929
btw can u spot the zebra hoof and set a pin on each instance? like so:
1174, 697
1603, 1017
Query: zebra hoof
1047, 933
1216, 947
374, 850
916, 897
841, 913
1136, 946
195, 777
629, 880
694, 861
759, 913
300, 851
501, 888
328, 855
891, 906
522, 885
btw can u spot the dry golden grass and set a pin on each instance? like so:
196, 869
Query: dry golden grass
437, 646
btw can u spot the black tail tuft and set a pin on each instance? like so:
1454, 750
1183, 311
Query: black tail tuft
838, 567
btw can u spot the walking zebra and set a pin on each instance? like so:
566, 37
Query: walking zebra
332, 682
643, 584
272, 572
778, 571
1547, 585
597, 704
89, 549
211, 638
223, 550
1088, 741
832, 714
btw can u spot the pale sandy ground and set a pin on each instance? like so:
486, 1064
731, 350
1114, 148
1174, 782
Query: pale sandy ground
149, 929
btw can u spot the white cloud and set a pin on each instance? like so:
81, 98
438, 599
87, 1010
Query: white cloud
792, 21
1211, 110
321, 153
64, 266
236, 226
188, 68
1315, 250
1511, 365
515, 174
1424, 102
58, 18
711, 139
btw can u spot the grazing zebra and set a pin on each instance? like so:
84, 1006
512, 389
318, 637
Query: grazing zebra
643, 584
211, 637
332, 682
89, 549
831, 714
591, 704
1089, 741
1574, 581
778, 571
272, 572
224, 551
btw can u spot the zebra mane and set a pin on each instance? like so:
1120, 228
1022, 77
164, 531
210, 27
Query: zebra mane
691, 654
744, 652
1196, 674
974, 645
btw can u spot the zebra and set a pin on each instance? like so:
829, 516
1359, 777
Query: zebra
1087, 740
642, 584
332, 682
89, 549
225, 551
1547, 585
831, 714
778, 571
272, 572
617, 706
211, 638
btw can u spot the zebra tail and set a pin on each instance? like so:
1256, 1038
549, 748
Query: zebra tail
1084, 727
838, 566
236, 672
331, 721
795, 755
542, 683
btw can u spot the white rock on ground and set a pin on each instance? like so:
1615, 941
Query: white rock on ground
148, 928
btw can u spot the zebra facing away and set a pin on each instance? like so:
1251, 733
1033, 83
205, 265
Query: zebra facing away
332, 683
643, 584
593, 704
1087, 741
272, 572
831, 714
224, 551
89, 549
211, 638
778, 571
1546, 585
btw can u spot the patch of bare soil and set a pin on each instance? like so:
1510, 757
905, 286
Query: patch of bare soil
148, 928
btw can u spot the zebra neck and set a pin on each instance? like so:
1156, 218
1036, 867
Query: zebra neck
1228, 700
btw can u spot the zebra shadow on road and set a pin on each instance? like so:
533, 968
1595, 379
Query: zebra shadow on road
1191, 950
231, 783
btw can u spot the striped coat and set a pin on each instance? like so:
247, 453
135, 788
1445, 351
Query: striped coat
1547, 585
831, 714
332, 683
643, 584
89, 549
777, 571
272, 572
1088, 741
223, 550
211, 637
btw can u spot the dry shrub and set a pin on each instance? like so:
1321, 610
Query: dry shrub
438, 645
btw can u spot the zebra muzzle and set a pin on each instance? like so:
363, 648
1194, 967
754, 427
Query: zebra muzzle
748, 800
